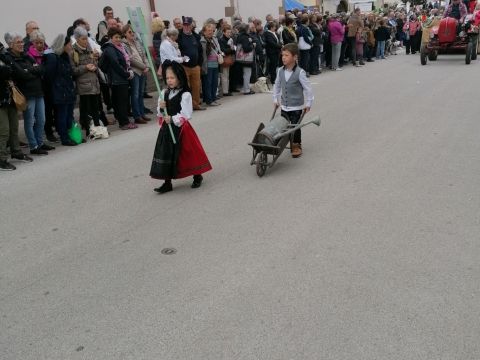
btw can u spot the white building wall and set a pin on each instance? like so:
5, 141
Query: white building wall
55, 16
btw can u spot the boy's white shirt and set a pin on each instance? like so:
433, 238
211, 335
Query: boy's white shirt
186, 111
307, 90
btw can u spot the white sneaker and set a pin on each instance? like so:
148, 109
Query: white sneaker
338, 69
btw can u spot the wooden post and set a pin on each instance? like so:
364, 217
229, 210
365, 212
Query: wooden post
152, 6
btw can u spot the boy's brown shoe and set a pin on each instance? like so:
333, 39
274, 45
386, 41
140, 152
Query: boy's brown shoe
296, 150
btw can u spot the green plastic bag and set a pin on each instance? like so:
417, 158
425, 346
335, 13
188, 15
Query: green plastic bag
75, 133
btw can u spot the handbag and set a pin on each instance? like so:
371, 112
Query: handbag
18, 98
75, 133
228, 60
303, 45
220, 57
98, 132
243, 57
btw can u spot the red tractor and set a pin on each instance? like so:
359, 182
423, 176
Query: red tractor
447, 36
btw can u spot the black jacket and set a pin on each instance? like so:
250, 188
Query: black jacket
5, 75
272, 45
26, 74
246, 41
226, 49
190, 46
302, 31
113, 64
259, 45
59, 73
288, 37
382, 33
317, 35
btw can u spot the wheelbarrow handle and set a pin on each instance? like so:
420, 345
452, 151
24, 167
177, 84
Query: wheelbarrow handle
274, 111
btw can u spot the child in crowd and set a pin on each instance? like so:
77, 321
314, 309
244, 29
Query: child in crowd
370, 38
184, 156
359, 44
381, 35
293, 92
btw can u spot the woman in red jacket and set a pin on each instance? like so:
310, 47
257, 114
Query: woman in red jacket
411, 29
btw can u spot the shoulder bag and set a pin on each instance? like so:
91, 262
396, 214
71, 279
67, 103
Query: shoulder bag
243, 57
17, 96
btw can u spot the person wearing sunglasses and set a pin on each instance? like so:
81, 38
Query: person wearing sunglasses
139, 66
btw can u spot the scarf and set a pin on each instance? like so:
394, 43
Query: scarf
293, 33
124, 53
35, 55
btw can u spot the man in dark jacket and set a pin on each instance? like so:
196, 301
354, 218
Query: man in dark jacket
258, 35
317, 41
190, 46
8, 119
30, 27
305, 38
272, 47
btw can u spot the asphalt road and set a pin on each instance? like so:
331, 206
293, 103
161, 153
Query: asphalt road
367, 247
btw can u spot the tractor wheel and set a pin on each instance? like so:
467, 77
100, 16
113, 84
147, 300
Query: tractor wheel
423, 56
475, 48
433, 56
469, 52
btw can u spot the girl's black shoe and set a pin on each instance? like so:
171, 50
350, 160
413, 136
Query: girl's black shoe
166, 187
197, 181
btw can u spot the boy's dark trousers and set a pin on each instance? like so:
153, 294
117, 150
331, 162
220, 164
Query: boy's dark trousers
294, 117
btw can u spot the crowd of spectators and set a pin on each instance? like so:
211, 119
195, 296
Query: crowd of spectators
106, 73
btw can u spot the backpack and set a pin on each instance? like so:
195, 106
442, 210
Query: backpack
76, 57
97, 37
102, 64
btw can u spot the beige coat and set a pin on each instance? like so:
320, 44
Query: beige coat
87, 81
138, 60
354, 22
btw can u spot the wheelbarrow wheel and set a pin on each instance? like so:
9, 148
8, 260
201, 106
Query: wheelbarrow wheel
262, 163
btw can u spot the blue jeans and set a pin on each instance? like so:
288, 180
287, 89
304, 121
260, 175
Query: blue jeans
210, 85
381, 49
136, 96
34, 121
64, 120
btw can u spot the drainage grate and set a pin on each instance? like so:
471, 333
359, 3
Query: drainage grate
169, 251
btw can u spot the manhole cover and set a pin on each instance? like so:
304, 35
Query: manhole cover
169, 251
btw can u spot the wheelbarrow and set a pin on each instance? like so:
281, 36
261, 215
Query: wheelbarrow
272, 138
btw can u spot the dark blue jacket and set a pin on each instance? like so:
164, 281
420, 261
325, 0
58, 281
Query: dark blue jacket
59, 73
382, 34
113, 64
303, 31
5, 75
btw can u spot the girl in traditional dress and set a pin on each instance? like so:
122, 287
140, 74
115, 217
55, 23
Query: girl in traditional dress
178, 152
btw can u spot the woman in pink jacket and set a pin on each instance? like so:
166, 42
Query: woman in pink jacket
411, 29
337, 32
